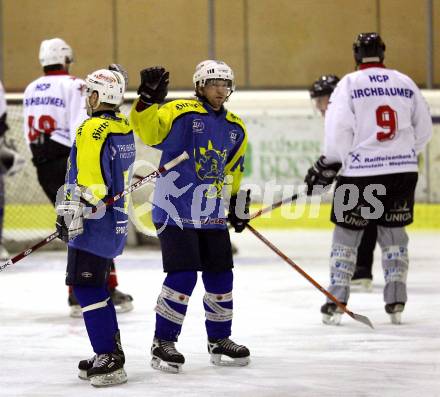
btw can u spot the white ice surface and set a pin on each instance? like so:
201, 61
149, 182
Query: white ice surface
276, 315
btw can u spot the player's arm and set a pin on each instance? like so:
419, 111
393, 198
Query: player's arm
235, 163
77, 112
148, 123
3, 125
91, 151
152, 124
421, 120
239, 203
339, 124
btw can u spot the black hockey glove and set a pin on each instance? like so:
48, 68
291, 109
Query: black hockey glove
70, 219
116, 67
154, 85
321, 174
238, 215
10, 161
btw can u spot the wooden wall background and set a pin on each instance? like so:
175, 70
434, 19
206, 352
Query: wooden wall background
268, 43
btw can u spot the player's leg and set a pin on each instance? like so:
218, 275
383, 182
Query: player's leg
393, 239
171, 307
394, 245
51, 176
181, 260
363, 276
87, 274
4, 254
216, 255
342, 265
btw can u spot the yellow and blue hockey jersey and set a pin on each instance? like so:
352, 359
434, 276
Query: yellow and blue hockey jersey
100, 162
190, 195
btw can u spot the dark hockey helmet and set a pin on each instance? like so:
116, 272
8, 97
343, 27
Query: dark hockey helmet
324, 85
368, 47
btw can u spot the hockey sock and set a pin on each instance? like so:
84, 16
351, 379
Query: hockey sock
112, 278
218, 303
99, 317
394, 244
172, 304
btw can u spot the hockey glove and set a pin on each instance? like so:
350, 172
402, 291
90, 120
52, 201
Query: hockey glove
70, 219
10, 161
238, 215
116, 67
321, 174
154, 85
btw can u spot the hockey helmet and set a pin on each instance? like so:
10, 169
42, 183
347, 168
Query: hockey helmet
368, 47
109, 84
213, 70
55, 51
324, 85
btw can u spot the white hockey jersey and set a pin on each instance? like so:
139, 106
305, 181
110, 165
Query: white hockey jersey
376, 123
54, 105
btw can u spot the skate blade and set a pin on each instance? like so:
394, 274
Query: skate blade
82, 374
75, 311
124, 307
117, 377
172, 368
396, 318
333, 319
216, 359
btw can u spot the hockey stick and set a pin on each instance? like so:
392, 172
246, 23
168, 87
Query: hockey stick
358, 317
110, 201
275, 205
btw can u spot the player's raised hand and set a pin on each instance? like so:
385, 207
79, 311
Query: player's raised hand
154, 84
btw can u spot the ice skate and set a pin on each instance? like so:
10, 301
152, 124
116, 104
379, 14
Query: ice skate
236, 355
395, 311
331, 314
122, 302
362, 284
165, 357
4, 254
85, 365
75, 308
107, 370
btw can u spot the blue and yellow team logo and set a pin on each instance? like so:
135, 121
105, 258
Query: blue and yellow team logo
210, 165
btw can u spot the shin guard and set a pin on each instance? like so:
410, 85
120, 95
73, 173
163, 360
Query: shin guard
218, 303
172, 304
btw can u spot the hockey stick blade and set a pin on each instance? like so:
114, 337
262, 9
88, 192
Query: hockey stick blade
363, 319
110, 201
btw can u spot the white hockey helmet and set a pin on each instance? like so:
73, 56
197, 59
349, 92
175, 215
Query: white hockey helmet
55, 51
212, 69
109, 84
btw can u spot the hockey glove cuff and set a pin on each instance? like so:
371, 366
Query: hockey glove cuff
239, 205
321, 174
70, 219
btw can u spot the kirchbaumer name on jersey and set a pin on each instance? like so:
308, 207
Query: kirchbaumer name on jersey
45, 100
381, 91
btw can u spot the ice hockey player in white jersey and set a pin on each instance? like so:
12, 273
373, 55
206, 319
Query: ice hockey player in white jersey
54, 106
10, 163
376, 124
362, 279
